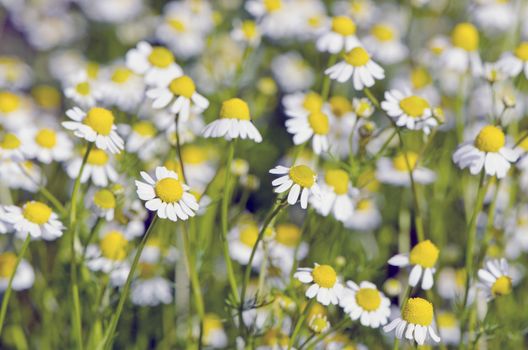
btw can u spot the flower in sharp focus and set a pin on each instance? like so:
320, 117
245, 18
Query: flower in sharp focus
408, 110
34, 218
156, 63
324, 283
24, 274
340, 36
395, 171
495, 278
415, 323
299, 181
423, 257
366, 303
167, 195
515, 63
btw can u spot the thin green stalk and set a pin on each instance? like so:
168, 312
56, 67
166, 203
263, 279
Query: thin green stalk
325, 90
7, 293
372, 98
299, 323
93, 231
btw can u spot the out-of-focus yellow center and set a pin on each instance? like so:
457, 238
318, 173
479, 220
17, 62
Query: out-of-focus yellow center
357, 57
193, 154
182, 86
522, 51
424, 254
363, 205
272, 5
144, 128
211, 323
101, 120
324, 275
368, 298
10, 142
490, 139
9, 102
7, 265
288, 234
46, 96
340, 105
97, 157
235, 108
420, 78
121, 75
302, 175
313, 102
92, 70
338, 179
177, 25
161, 57
83, 88
114, 246
465, 36
319, 123
36, 212
46, 138
502, 286
447, 320
402, 161
383, 32
414, 106
249, 235
169, 190
249, 28
343, 25
105, 199
418, 311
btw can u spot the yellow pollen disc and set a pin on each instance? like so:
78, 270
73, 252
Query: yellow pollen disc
338, 179
194, 154
420, 78
490, 139
249, 235
121, 75
9, 102
144, 128
235, 108
424, 254
10, 141
343, 25
324, 275
363, 205
319, 123
146, 270
272, 5
340, 105
177, 25
362, 108
414, 106
314, 21
36, 212
313, 102
169, 190
383, 32
211, 323
249, 28
7, 264
402, 161
97, 157
368, 298
114, 246
316, 309
357, 57
105, 199
182, 86
288, 234
447, 320
522, 51
502, 286
418, 311
100, 120
318, 324
161, 57
46, 96
92, 70
465, 36
83, 88
302, 176
46, 138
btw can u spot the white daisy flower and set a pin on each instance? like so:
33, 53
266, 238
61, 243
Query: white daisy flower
314, 125
246, 32
83, 91
422, 257
357, 65
292, 72
324, 284
385, 44
123, 89
214, 335
95, 125
366, 216
449, 328
156, 63
487, 152
24, 175
495, 278
409, 110
46, 145
366, 303
463, 55
339, 36
14, 73
242, 238
415, 323
234, 122
98, 168
15, 110
24, 274
140, 136
34, 218
179, 96
302, 103
199, 165
287, 245
11, 147
275, 17
515, 63
167, 195
150, 290
395, 171
104, 204
299, 181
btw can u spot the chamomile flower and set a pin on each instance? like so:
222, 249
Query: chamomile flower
95, 125
358, 66
384, 43
318, 324
83, 91
34, 218
15, 110
448, 327
314, 125
104, 204
366, 216
14, 73
415, 323
150, 289
179, 96
487, 152
299, 181
462, 56
274, 17
287, 245
515, 63
214, 334
123, 89
422, 257
46, 145
495, 278
339, 36
246, 32
409, 110
366, 303
24, 274
301, 103
242, 238
167, 195
337, 195
234, 122
140, 136
292, 72
395, 171
98, 168
155, 63
324, 283
11, 147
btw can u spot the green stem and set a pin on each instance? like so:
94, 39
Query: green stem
299, 323
325, 90
372, 98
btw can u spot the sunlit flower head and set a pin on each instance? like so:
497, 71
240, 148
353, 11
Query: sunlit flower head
409, 110
155, 63
24, 276
339, 36
324, 283
34, 218
495, 278
462, 56
305, 126
364, 302
46, 145
299, 181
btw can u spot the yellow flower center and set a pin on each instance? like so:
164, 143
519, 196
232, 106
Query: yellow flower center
522, 51
414, 106
324, 275
357, 57
211, 323
418, 311
319, 123
424, 254
465, 36
383, 32
7, 265
272, 5
46, 96
338, 179
182, 86
490, 139
249, 235
114, 246
36, 212
523, 144
177, 25
83, 88
313, 102
169, 190
363, 205
368, 298
161, 57
100, 120
343, 25
318, 324
235, 108
46, 138
194, 154
144, 128
9, 102
402, 161
249, 28
10, 141
340, 105
502, 286
302, 176
97, 157
446, 320
420, 78
363, 108
105, 199
92, 70
146, 270
121, 75
288, 234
